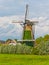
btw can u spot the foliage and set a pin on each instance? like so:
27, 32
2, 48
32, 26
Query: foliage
39, 49
40, 39
46, 37
18, 49
42, 48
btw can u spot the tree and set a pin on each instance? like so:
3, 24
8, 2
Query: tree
38, 40
46, 37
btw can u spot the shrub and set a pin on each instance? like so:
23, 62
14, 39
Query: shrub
18, 49
39, 49
42, 48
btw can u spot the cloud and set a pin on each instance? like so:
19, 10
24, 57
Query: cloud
7, 28
11, 30
42, 27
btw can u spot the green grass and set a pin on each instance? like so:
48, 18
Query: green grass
11, 59
27, 35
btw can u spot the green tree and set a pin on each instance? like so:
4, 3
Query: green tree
38, 40
46, 37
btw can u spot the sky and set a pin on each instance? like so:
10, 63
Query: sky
15, 10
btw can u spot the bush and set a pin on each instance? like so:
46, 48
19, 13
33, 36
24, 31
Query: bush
42, 48
18, 49
39, 49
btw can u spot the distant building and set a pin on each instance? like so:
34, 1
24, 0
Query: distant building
12, 42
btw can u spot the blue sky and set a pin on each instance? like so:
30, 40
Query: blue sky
15, 10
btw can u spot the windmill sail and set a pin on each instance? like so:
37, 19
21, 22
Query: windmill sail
26, 13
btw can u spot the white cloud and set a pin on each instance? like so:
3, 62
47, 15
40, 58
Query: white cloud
10, 30
42, 27
7, 28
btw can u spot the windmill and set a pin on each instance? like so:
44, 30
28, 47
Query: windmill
28, 29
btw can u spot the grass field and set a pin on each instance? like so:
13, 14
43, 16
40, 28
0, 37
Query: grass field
7, 59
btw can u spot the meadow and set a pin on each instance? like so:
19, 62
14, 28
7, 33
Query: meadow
13, 59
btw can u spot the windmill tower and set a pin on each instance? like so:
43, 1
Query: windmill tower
28, 30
